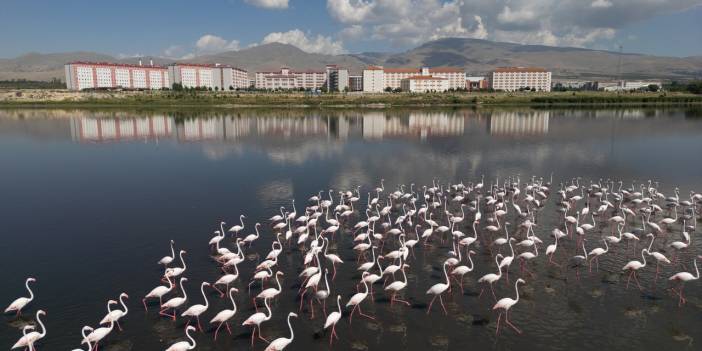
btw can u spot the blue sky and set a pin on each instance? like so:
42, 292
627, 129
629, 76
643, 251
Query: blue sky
182, 28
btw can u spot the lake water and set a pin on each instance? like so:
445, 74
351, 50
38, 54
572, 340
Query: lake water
89, 201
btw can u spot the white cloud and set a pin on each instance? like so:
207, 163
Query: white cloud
601, 4
551, 22
209, 43
269, 4
319, 44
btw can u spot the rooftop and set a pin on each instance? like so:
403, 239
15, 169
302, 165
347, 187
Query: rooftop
113, 64
519, 69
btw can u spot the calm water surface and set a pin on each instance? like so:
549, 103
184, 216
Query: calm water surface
89, 200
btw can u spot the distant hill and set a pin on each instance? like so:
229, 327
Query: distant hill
474, 55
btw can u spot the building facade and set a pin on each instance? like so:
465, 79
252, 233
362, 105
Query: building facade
337, 79
424, 84
287, 79
104, 75
476, 83
355, 83
210, 76
377, 79
373, 79
516, 78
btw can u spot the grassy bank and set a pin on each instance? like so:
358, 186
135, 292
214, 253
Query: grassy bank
62, 98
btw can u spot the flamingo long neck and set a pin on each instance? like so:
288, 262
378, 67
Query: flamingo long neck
277, 280
241, 220
183, 261
268, 308
326, 280
256, 230
85, 337
338, 303
172, 250
231, 297
221, 229
404, 275
643, 257
121, 300
470, 260
448, 281
31, 293
697, 270
499, 270
365, 284
606, 246
292, 333
185, 296
651, 244
202, 290
512, 248
187, 333
43, 328
516, 288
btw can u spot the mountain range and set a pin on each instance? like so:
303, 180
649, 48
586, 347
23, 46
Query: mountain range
476, 56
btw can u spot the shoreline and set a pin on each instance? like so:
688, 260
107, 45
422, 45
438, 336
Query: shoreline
237, 100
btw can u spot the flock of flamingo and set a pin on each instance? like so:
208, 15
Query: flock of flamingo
392, 225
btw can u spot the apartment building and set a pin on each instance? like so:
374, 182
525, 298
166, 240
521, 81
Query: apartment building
289, 79
337, 79
96, 75
424, 84
210, 76
516, 78
377, 78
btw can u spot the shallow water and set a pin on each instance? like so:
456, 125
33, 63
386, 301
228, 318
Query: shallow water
89, 201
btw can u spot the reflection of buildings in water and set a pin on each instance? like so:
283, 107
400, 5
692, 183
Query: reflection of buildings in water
289, 127
371, 125
377, 125
121, 129
519, 123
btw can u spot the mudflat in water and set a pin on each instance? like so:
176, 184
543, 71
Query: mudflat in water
90, 200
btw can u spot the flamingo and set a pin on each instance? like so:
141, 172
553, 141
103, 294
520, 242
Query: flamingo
184, 345
256, 319
224, 316
197, 310
321, 295
491, 278
281, 343
633, 267
239, 227
505, 304
116, 315
249, 239
358, 298
21, 302
166, 260
657, 255
98, 334
28, 340
177, 271
226, 280
684, 277
596, 253
82, 332
175, 302
438, 289
332, 319
462, 270
396, 286
271, 293
334, 259
158, 292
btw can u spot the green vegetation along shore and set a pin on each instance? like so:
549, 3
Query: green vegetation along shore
64, 98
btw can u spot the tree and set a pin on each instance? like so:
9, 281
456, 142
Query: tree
653, 88
388, 90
